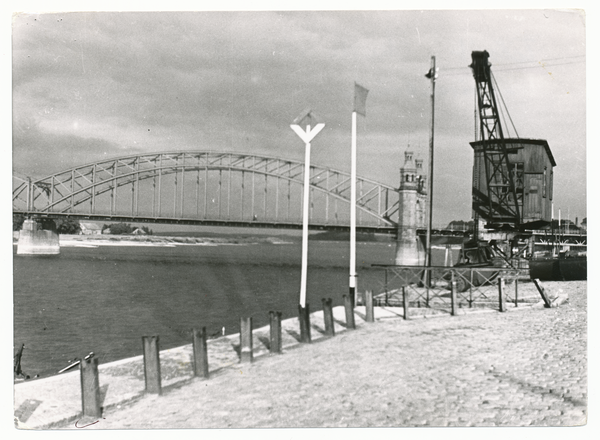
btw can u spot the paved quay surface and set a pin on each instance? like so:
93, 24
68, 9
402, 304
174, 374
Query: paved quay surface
56, 400
525, 367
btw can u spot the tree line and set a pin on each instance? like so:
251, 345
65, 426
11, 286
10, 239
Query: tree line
72, 226
124, 229
60, 225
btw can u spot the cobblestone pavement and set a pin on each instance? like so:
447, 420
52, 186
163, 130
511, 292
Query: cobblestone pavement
520, 368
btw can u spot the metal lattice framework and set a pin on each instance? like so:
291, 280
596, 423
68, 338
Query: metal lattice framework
203, 187
546, 241
501, 203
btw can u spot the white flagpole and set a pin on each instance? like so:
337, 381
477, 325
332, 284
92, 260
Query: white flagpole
352, 282
305, 223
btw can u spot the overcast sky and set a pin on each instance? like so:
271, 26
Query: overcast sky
88, 86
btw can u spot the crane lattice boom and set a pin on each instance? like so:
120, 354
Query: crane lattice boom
500, 205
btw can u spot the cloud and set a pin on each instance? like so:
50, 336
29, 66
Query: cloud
125, 82
39, 153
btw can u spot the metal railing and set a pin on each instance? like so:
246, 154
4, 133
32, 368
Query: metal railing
449, 288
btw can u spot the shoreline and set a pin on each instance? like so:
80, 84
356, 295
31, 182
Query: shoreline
93, 241
54, 402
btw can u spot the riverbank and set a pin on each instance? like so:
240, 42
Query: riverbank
55, 401
67, 240
525, 367
104, 298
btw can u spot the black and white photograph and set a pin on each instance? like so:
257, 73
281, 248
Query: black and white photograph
299, 218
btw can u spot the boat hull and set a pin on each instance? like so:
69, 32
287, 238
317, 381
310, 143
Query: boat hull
559, 269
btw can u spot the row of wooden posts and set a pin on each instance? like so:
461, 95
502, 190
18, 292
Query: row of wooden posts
90, 383
90, 387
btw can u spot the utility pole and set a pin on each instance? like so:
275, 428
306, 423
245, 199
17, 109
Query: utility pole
432, 75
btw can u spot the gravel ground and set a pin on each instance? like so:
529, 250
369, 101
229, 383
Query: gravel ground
520, 368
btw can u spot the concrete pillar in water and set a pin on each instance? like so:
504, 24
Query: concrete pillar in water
409, 250
36, 241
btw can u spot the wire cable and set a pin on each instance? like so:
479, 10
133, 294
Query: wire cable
539, 64
504, 105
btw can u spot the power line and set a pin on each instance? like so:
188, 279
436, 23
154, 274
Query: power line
541, 61
527, 62
462, 70
540, 66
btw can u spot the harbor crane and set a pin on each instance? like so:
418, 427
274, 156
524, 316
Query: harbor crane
512, 176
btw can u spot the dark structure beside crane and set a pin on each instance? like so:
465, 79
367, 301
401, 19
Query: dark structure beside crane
530, 166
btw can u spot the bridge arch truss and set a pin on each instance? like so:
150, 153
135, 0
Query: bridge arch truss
203, 187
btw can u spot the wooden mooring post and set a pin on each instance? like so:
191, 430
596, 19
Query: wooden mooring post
18, 372
152, 364
543, 294
304, 320
516, 292
369, 311
405, 303
501, 305
328, 316
349, 308
453, 289
275, 332
246, 340
200, 350
90, 387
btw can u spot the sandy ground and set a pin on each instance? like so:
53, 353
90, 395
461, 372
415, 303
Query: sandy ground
152, 240
76, 240
520, 368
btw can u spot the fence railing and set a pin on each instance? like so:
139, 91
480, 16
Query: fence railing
448, 288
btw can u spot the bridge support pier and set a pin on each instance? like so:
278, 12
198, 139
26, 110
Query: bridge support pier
33, 240
409, 250
411, 198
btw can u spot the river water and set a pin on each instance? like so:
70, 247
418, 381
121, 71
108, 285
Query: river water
104, 299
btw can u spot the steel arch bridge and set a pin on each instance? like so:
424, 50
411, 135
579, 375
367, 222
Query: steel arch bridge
206, 188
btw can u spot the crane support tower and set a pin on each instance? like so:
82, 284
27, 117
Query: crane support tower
512, 177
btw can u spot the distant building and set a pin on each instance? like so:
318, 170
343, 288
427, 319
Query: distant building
139, 231
90, 228
460, 225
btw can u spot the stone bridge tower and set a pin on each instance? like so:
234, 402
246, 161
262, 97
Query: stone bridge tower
413, 212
